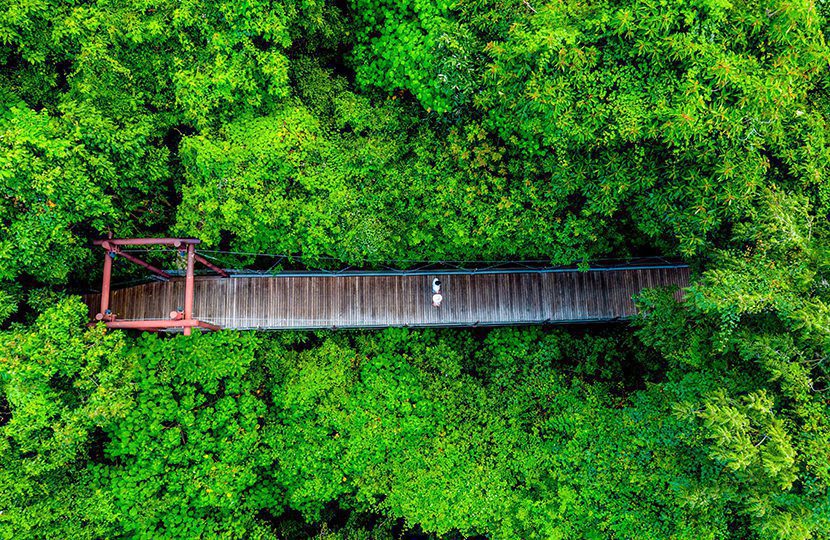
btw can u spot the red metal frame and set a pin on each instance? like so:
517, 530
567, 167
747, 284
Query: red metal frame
188, 287
175, 242
132, 258
183, 320
162, 324
210, 265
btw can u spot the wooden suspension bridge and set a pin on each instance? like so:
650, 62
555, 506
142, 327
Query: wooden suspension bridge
313, 300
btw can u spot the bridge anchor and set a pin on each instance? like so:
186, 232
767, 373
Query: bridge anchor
179, 318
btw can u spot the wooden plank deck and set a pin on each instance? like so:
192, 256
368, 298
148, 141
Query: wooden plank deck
379, 300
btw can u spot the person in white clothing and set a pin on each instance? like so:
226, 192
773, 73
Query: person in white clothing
436, 293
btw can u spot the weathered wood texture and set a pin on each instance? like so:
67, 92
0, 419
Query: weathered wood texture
373, 301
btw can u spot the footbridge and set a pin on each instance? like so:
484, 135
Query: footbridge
489, 295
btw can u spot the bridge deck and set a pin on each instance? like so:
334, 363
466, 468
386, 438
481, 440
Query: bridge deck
381, 300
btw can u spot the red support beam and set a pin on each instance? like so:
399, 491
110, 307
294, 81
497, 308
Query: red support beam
188, 286
105, 284
211, 266
148, 266
161, 324
175, 242
208, 326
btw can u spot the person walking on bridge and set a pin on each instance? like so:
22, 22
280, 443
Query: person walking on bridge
437, 297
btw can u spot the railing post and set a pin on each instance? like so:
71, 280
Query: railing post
188, 287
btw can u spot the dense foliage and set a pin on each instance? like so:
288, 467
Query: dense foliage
378, 131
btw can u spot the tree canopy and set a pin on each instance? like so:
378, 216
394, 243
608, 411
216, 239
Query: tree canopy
376, 132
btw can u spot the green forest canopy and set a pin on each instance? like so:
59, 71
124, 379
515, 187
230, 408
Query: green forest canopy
381, 130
